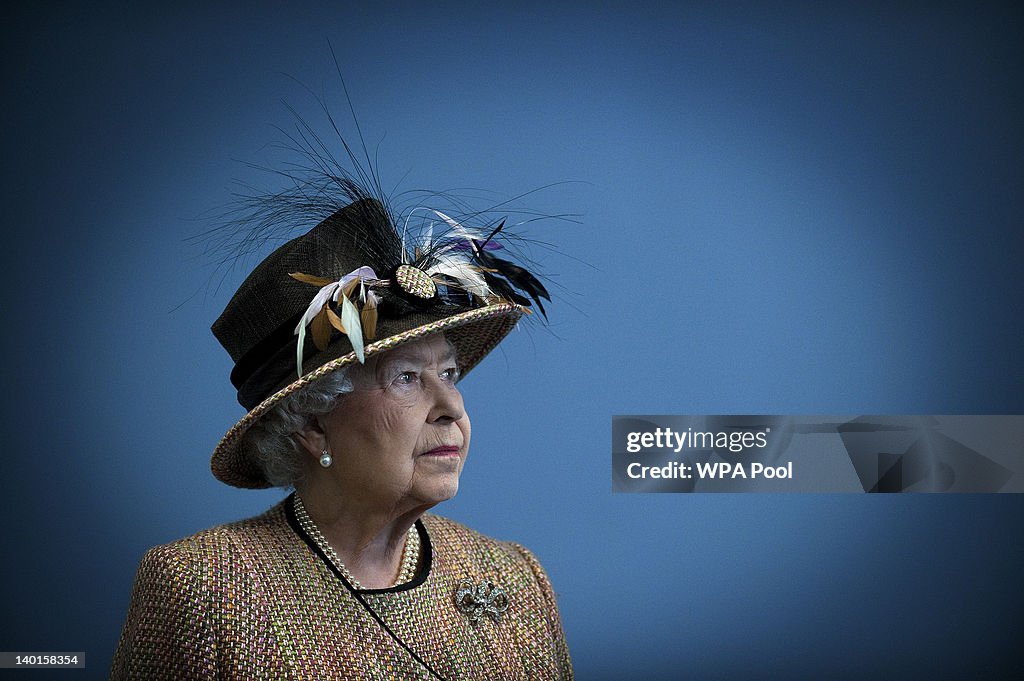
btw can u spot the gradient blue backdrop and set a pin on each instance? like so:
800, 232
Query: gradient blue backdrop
785, 210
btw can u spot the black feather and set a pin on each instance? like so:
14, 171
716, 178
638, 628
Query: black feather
502, 288
517, 276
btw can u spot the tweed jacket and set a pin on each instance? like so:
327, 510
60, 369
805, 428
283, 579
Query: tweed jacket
257, 600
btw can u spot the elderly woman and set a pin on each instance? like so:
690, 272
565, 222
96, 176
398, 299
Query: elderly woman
348, 343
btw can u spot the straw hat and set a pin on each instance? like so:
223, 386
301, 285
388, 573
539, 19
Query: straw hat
350, 288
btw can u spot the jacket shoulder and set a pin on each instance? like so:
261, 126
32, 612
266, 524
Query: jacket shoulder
445, 530
448, 533
171, 631
221, 543
214, 555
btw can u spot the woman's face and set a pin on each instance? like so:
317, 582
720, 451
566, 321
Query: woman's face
402, 434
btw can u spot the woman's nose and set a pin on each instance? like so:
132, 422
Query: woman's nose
447, 402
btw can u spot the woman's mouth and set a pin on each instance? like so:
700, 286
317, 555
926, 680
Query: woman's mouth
444, 450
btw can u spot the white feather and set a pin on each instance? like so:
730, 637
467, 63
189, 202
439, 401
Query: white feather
462, 271
450, 221
353, 327
428, 237
457, 229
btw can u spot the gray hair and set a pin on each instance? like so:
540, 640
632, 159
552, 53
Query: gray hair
272, 438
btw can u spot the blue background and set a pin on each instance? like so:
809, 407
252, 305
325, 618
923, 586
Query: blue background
793, 209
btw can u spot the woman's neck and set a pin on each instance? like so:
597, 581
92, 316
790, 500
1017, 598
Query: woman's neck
369, 542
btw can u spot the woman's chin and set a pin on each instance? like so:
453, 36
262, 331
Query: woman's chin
438, 490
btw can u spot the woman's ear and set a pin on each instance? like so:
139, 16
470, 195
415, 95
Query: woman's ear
312, 438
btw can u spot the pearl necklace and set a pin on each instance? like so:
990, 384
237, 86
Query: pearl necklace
410, 553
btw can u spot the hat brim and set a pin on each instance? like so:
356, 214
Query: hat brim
474, 333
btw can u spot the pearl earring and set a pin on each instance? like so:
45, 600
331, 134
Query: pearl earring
325, 459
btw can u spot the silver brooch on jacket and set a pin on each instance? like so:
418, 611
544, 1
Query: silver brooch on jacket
480, 599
